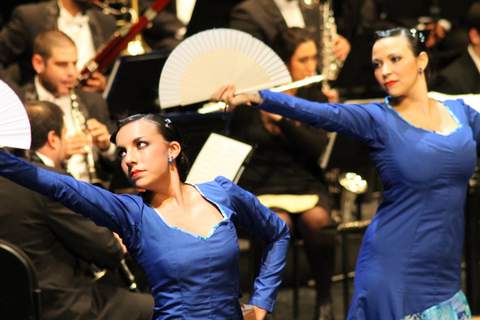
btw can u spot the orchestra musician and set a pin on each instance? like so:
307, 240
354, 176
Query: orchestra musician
87, 26
89, 151
462, 75
266, 19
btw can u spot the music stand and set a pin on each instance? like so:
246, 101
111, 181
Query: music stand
132, 86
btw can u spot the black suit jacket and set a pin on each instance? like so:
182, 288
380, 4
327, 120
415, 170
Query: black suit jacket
27, 21
407, 12
263, 19
61, 245
461, 76
165, 31
260, 18
204, 18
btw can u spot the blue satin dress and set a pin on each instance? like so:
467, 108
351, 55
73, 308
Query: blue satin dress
409, 262
191, 277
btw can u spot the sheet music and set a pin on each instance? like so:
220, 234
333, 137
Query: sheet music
185, 10
219, 156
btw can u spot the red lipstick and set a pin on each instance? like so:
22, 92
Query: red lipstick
134, 173
390, 83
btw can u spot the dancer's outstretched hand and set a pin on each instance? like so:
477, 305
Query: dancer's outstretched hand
227, 94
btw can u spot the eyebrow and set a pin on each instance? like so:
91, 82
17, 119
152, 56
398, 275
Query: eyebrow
65, 61
388, 56
138, 139
134, 141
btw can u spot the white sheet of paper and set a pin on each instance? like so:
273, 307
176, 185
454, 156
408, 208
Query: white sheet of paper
219, 156
473, 100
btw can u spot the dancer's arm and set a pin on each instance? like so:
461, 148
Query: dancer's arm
119, 213
265, 224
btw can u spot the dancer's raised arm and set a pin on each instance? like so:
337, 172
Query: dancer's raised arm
363, 121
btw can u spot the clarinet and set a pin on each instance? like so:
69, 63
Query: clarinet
81, 126
124, 270
128, 275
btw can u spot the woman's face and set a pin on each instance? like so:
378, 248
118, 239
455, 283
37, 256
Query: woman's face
304, 60
144, 153
395, 65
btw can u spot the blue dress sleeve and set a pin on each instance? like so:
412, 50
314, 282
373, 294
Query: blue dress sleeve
119, 213
362, 121
473, 120
267, 225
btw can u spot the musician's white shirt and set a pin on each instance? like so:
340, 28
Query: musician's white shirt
77, 28
76, 165
46, 160
291, 13
184, 10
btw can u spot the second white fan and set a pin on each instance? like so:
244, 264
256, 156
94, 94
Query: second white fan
204, 62
14, 123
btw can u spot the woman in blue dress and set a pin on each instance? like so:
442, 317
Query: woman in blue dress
425, 152
182, 235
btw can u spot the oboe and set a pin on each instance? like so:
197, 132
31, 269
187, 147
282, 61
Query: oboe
331, 65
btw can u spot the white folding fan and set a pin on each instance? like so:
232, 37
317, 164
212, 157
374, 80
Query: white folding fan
204, 62
14, 124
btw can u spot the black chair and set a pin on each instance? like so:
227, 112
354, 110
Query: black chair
19, 291
297, 243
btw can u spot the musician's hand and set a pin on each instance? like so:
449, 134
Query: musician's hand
120, 242
270, 122
436, 34
271, 117
76, 144
227, 95
341, 48
96, 83
99, 133
331, 94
